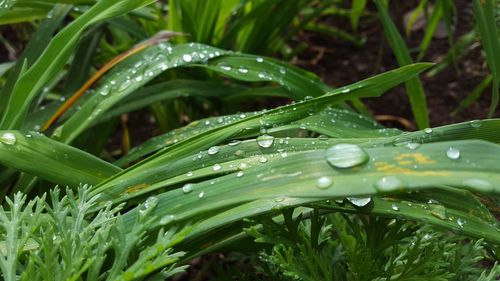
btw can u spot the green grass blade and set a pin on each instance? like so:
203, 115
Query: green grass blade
374, 86
143, 67
430, 29
484, 14
55, 56
38, 155
414, 86
288, 182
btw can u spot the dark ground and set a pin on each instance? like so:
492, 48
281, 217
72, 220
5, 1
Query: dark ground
343, 63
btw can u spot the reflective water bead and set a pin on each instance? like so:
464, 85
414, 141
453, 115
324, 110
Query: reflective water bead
346, 155
242, 70
217, 167
262, 159
213, 150
188, 187
8, 138
187, 58
359, 201
265, 141
388, 184
259, 59
428, 130
240, 174
453, 153
324, 182
394, 207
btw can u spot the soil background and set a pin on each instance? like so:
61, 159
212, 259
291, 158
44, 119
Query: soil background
339, 62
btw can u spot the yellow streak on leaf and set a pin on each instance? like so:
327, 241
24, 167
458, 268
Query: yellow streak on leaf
418, 158
136, 188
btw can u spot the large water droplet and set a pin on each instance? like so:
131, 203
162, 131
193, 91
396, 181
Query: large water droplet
389, 183
428, 130
265, 141
242, 70
187, 58
479, 185
346, 155
259, 59
439, 211
188, 187
213, 150
359, 201
324, 182
8, 138
453, 153
394, 207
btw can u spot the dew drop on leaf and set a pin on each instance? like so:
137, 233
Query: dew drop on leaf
242, 70
187, 58
265, 141
394, 207
8, 138
259, 59
166, 219
217, 167
188, 187
240, 174
453, 153
359, 201
213, 150
388, 184
201, 194
460, 223
428, 130
475, 123
324, 182
346, 155
263, 159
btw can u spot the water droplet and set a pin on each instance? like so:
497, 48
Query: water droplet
265, 141
439, 211
346, 155
217, 167
201, 194
453, 153
8, 138
389, 183
189, 174
394, 207
234, 142
148, 206
282, 70
240, 174
324, 182
460, 223
259, 59
187, 58
479, 185
213, 150
167, 219
224, 66
413, 145
475, 123
359, 201
188, 187
263, 159
138, 78
428, 130
242, 70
